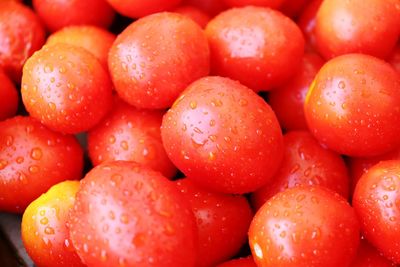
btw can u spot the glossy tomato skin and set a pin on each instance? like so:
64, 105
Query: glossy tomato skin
375, 200
58, 14
352, 106
21, 34
130, 134
32, 159
304, 226
94, 39
265, 3
368, 256
243, 262
259, 47
211, 7
288, 101
66, 88
129, 215
8, 97
307, 21
44, 227
196, 14
394, 59
151, 70
305, 162
359, 26
140, 8
223, 136
222, 221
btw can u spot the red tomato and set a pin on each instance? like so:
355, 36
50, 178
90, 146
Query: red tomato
353, 106
132, 135
368, 256
304, 227
62, 13
140, 8
223, 135
196, 14
307, 22
128, 215
376, 201
32, 159
243, 262
150, 68
66, 88
265, 3
257, 46
394, 59
305, 162
44, 230
288, 100
211, 7
8, 97
357, 26
95, 40
222, 221
21, 34
293, 8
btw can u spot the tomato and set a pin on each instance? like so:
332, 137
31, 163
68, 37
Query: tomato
304, 226
266, 3
58, 14
222, 221
44, 230
305, 162
128, 215
292, 8
288, 100
394, 59
94, 39
140, 8
243, 262
8, 97
257, 46
32, 159
63, 86
368, 256
21, 34
211, 7
150, 68
223, 136
357, 26
130, 134
376, 200
196, 14
307, 23
353, 106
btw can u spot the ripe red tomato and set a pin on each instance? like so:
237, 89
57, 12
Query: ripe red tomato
196, 14
211, 7
44, 230
127, 133
140, 8
305, 227
128, 215
307, 23
8, 97
66, 88
32, 159
243, 262
358, 26
305, 162
21, 34
223, 136
222, 221
376, 201
257, 46
94, 39
394, 59
288, 100
266, 3
353, 106
150, 68
58, 14
368, 256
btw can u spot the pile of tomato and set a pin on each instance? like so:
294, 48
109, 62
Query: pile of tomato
229, 133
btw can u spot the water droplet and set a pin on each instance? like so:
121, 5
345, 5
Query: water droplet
34, 169
19, 160
342, 85
243, 102
258, 251
193, 104
3, 163
124, 145
49, 230
124, 219
44, 221
36, 153
211, 155
111, 139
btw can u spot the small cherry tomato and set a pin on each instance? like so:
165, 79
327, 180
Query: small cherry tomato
222, 221
44, 227
140, 8
128, 215
150, 68
307, 22
8, 97
259, 47
353, 106
196, 14
32, 159
243, 262
223, 136
368, 256
305, 226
